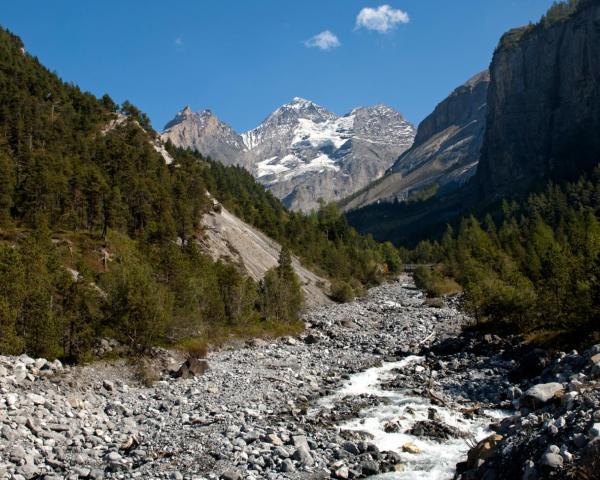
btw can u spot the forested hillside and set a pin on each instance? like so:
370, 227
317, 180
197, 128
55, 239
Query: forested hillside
535, 271
97, 231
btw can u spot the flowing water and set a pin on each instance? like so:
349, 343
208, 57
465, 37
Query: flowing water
437, 459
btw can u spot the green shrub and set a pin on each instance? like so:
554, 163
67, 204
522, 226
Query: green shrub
434, 283
341, 291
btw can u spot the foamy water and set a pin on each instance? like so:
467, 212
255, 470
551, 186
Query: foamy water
436, 460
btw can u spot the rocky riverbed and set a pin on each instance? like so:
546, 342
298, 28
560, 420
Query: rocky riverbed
386, 385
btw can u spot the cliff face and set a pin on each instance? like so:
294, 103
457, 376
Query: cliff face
445, 152
543, 105
464, 107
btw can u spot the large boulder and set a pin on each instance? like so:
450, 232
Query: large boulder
192, 367
232, 474
595, 359
436, 430
552, 460
303, 456
540, 395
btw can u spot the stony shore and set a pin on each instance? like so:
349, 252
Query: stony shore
258, 410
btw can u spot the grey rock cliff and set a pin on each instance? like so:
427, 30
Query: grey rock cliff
544, 105
446, 149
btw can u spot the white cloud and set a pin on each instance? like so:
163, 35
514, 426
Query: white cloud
324, 40
381, 19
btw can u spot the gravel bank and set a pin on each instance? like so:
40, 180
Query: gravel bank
270, 409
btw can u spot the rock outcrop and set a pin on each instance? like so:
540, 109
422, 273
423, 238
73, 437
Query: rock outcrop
205, 133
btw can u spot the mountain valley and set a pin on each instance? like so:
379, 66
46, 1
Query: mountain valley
321, 297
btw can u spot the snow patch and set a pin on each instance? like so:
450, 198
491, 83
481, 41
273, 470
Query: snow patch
271, 166
322, 134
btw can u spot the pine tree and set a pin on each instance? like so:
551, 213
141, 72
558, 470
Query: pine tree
7, 186
282, 295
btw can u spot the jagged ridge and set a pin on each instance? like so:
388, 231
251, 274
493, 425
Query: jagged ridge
302, 152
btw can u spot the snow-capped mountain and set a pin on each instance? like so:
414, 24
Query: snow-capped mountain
303, 152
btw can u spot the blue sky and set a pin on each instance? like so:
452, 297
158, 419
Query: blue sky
244, 58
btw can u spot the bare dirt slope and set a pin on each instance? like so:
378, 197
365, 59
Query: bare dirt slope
229, 238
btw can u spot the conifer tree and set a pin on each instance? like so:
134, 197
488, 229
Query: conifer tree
7, 185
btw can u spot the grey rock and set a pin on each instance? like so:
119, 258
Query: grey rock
281, 452
514, 393
36, 399
300, 441
108, 385
342, 473
312, 339
596, 371
273, 439
302, 455
193, 367
11, 399
232, 474
113, 457
369, 467
96, 474
552, 460
287, 466
541, 394
351, 448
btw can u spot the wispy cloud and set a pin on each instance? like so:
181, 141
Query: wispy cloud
381, 19
325, 41
179, 41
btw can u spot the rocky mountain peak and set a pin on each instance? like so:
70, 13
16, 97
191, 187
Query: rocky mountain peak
301, 102
381, 109
205, 133
299, 108
303, 152
445, 151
